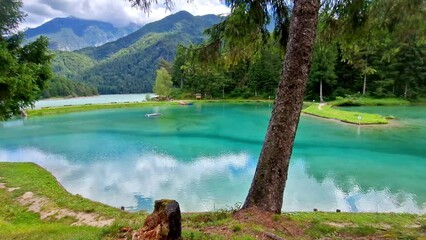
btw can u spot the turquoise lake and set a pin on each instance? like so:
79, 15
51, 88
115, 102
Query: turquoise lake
204, 156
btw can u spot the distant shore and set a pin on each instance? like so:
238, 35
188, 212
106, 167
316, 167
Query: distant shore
323, 110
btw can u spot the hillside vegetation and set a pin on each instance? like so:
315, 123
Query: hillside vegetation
128, 65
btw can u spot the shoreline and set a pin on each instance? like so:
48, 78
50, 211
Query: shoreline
391, 123
30, 193
377, 121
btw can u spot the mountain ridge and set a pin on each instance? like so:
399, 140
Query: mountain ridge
128, 64
71, 33
162, 25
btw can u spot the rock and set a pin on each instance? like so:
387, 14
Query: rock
163, 224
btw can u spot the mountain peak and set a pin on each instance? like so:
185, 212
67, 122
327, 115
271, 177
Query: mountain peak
71, 33
179, 16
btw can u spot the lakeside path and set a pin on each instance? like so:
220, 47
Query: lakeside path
35, 206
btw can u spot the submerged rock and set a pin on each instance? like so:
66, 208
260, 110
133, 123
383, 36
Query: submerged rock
163, 224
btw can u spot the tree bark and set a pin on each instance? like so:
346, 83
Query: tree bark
406, 91
267, 188
321, 98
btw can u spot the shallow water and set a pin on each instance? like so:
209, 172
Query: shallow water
204, 156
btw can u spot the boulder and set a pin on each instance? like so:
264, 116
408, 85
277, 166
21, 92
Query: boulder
163, 224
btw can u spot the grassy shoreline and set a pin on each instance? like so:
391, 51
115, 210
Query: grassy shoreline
327, 110
359, 118
17, 222
92, 107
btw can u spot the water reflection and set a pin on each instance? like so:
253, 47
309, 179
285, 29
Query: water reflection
208, 183
12, 123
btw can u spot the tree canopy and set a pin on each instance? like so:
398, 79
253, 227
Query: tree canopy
358, 29
23, 69
163, 83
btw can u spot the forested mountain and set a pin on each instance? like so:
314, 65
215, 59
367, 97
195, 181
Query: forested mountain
71, 33
128, 65
180, 22
59, 86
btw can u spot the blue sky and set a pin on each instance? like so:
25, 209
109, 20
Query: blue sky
117, 12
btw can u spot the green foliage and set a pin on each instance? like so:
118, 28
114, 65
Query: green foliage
322, 69
128, 65
70, 64
10, 16
163, 83
254, 77
379, 46
23, 73
166, 65
63, 87
23, 69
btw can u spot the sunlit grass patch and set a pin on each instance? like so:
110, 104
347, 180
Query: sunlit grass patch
327, 111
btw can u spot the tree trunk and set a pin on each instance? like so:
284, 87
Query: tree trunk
267, 188
321, 99
406, 91
364, 86
181, 83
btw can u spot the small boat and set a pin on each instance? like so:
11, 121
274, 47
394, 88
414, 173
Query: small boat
152, 114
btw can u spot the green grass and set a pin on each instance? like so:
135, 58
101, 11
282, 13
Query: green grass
391, 225
327, 111
93, 107
16, 222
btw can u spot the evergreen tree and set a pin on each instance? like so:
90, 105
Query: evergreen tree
322, 77
23, 70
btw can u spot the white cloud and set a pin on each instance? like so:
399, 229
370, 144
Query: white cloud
117, 12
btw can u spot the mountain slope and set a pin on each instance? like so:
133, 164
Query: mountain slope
128, 65
181, 21
72, 33
132, 70
70, 64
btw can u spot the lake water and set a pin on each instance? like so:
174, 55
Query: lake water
204, 156
118, 98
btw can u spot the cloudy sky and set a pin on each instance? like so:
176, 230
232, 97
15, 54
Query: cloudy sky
117, 12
